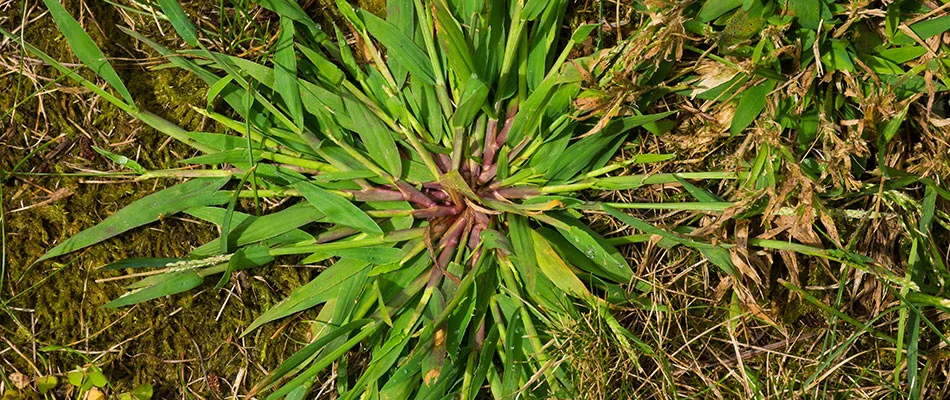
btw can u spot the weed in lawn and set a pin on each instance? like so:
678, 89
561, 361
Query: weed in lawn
451, 160
824, 276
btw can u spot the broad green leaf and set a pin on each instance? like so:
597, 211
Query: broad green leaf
86, 50
401, 17
839, 58
290, 9
337, 209
808, 12
574, 257
375, 255
545, 32
376, 137
583, 32
473, 98
121, 160
904, 54
528, 119
322, 288
171, 283
554, 268
457, 49
46, 383
522, 244
484, 360
635, 181
716, 254
249, 257
713, 9
326, 70
196, 192
592, 245
931, 27
750, 105
297, 394
176, 15
256, 229
400, 47
307, 352
882, 65
514, 354
143, 263
532, 9
285, 71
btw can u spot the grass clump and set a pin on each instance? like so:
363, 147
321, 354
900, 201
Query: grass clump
438, 184
455, 169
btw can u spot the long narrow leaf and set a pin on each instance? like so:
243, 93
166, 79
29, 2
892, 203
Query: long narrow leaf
84, 48
196, 192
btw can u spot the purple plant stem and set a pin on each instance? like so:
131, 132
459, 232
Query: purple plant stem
490, 145
435, 276
437, 195
475, 237
476, 170
488, 174
376, 194
480, 334
414, 195
445, 257
335, 234
509, 120
452, 236
517, 192
444, 162
494, 142
435, 212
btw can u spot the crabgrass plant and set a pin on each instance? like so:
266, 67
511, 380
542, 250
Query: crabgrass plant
443, 178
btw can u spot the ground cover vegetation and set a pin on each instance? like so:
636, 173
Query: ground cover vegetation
724, 199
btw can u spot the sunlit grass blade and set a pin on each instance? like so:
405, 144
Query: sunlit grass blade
285, 71
337, 209
400, 46
251, 229
86, 50
170, 283
322, 288
196, 192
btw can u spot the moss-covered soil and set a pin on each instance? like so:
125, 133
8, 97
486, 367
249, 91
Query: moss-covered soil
51, 320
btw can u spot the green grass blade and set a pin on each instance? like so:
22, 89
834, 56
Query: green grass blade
255, 229
473, 98
837, 313
513, 348
180, 21
400, 47
175, 282
750, 106
196, 192
337, 209
285, 71
716, 254
376, 137
321, 289
457, 50
142, 263
87, 51
121, 160
307, 352
555, 269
